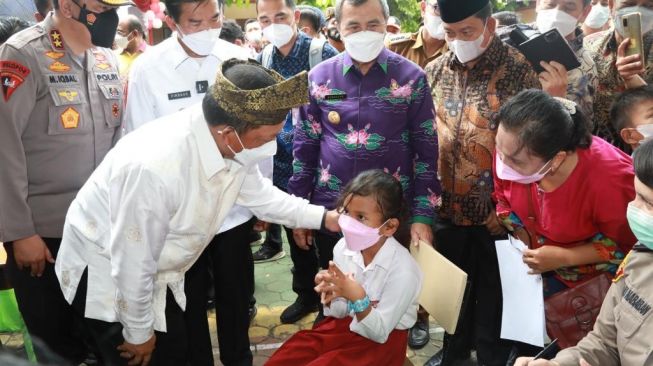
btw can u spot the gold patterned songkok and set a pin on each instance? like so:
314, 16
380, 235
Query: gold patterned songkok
265, 106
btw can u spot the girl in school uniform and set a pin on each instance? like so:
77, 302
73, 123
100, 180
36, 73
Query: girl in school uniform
371, 288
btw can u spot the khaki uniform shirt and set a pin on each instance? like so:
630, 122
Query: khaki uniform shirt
623, 329
411, 46
60, 115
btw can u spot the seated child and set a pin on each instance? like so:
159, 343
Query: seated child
632, 115
371, 288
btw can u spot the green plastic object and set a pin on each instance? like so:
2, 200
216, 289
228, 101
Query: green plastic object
12, 322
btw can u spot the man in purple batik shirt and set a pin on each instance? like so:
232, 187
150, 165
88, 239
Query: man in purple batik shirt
370, 109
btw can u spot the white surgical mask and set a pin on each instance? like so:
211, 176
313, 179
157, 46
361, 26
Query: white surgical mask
364, 46
121, 41
646, 131
598, 16
433, 24
467, 51
278, 34
254, 36
548, 19
249, 157
646, 17
201, 42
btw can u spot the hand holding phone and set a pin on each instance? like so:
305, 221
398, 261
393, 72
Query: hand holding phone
632, 29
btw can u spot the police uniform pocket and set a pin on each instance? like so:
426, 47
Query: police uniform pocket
65, 116
628, 322
112, 104
631, 312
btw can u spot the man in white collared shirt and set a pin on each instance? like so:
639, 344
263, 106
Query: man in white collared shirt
174, 75
154, 204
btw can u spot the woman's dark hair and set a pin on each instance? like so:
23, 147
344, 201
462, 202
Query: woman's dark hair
246, 77
543, 124
643, 163
376, 183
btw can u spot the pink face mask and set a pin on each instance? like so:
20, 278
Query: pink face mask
358, 236
507, 173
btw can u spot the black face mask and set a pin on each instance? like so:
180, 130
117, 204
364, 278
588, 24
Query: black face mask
333, 34
102, 26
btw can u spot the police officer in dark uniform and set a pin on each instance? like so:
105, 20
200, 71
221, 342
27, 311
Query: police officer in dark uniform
61, 109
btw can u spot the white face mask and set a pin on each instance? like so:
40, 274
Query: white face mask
598, 16
121, 41
467, 51
548, 19
433, 24
201, 42
254, 36
278, 34
248, 157
646, 131
364, 46
646, 15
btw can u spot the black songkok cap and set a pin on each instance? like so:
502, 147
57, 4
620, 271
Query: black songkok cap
453, 11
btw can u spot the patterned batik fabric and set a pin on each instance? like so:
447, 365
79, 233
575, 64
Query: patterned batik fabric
467, 101
603, 50
355, 122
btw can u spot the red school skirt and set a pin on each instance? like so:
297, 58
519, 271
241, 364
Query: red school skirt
332, 343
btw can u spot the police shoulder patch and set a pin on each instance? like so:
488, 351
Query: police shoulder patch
12, 76
620, 271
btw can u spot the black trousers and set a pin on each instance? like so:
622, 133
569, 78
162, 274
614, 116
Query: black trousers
472, 249
233, 276
273, 237
171, 348
306, 264
229, 258
46, 313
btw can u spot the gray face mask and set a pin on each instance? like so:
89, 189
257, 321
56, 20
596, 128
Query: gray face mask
647, 18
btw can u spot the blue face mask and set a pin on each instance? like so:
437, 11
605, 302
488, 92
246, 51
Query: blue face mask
641, 223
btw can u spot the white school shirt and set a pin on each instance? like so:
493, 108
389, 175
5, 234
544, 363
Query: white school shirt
392, 281
165, 79
149, 210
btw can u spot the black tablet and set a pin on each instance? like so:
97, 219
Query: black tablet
549, 46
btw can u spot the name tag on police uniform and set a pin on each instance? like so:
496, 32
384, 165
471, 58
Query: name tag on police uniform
179, 95
202, 86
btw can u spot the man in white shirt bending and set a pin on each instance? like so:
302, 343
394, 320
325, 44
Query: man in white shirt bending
156, 201
171, 76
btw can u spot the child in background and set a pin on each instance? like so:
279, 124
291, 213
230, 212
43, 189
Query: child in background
371, 288
631, 115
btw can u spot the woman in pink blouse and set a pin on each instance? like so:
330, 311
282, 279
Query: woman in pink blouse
561, 190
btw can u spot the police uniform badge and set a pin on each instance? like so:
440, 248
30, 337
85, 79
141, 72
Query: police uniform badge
70, 118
